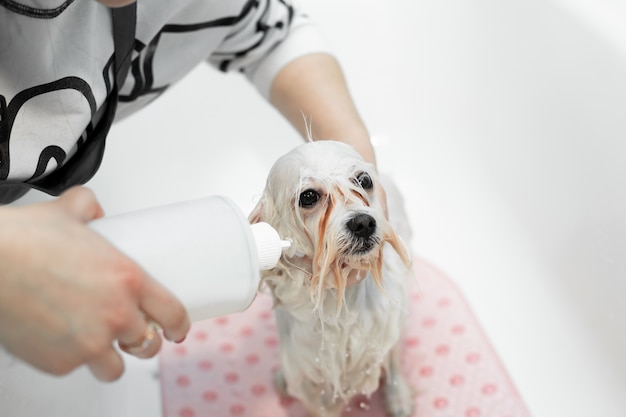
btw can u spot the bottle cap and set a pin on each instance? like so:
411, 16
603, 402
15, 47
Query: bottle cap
269, 245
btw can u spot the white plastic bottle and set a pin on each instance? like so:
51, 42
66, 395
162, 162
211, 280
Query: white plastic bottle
204, 251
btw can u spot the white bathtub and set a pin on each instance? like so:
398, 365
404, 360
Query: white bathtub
505, 125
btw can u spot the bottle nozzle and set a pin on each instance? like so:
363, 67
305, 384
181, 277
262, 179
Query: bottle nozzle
269, 245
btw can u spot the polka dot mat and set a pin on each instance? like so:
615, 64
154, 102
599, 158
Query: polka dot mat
224, 367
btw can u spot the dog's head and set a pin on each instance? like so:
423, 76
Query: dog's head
322, 196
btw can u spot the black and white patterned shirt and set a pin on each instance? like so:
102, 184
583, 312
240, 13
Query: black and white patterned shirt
56, 64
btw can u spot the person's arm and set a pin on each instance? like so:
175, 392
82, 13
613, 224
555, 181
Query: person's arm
312, 94
292, 67
66, 295
313, 87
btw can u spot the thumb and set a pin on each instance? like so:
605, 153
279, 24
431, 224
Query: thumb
80, 203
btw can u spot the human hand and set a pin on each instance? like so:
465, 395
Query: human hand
67, 294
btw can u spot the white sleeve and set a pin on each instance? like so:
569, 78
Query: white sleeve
270, 35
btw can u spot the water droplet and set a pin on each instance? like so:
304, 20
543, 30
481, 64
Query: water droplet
364, 405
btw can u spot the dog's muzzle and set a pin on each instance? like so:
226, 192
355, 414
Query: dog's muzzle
362, 229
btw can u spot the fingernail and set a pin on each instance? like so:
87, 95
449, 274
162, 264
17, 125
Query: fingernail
169, 338
181, 340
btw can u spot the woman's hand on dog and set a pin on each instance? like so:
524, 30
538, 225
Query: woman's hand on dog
67, 295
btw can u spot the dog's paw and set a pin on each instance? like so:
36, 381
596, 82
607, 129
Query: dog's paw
399, 398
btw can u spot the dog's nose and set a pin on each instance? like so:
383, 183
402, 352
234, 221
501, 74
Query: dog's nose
362, 225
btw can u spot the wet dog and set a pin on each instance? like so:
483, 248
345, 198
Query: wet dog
340, 291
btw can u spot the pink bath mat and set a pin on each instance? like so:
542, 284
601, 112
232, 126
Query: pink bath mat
224, 367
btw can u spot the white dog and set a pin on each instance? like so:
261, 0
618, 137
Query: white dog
339, 291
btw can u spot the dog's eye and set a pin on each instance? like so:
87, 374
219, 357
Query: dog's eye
365, 181
309, 198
